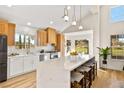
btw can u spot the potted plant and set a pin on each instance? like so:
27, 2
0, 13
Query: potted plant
104, 52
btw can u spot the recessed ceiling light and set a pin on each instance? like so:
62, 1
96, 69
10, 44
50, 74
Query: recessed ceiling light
29, 23
68, 7
51, 22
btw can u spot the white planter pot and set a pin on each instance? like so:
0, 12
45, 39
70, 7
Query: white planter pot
73, 58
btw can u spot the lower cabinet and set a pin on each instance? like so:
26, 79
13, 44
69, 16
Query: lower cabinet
35, 60
15, 66
28, 64
21, 65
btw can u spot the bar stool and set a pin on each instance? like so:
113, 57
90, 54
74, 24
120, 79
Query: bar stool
92, 66
77, 80
86, 71
95, 68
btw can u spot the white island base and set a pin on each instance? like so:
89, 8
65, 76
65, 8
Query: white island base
56, 73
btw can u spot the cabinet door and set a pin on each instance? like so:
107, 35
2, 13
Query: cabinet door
43, 38
16, 66
54, 37
3, 28
38, 38
51, 35
58, 46
35, 61
11, 34
62, 45
28, 63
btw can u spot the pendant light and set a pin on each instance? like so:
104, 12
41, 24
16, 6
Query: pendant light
80, 23
66, 17
74, 18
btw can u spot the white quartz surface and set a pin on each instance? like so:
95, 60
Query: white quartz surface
71, 65
55, 73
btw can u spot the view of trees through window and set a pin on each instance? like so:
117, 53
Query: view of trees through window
117, 46
24, 41
82, 46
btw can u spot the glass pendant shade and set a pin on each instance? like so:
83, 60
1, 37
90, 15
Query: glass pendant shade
66, 17
80, 27
74, 23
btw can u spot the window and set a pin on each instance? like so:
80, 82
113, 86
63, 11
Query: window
82, 46
68, 44
117, 13
117, 46
24, 41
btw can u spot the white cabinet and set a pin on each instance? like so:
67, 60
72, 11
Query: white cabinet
15, 66
34, 65
21, 64
35, 60
28, 64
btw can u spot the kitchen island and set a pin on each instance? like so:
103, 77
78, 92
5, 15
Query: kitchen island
56, 73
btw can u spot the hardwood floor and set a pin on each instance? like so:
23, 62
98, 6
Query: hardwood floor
23, 81
109, 79
105, 79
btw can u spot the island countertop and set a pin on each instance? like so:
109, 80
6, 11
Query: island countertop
57, 72
71, 65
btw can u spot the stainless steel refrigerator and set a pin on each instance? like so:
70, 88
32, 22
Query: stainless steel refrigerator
3, 58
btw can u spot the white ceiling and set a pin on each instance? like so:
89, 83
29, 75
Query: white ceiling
41, 15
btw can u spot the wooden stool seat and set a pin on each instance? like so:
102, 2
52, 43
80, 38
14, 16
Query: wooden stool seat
90, 65
86, 71
75, 76
83, 69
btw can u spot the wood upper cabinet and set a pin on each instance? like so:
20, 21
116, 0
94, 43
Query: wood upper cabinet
51, 36
58, 47
60, 43
38, 38
9, 30
51, 33
11, 34
42, 38
3, 27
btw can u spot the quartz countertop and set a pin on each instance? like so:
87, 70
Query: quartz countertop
56, 73
22, 55
71, 65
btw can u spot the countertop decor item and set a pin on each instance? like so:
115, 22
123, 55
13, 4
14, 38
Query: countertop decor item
104, 52
73, 55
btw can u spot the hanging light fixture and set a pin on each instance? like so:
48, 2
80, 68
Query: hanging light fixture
66, 17
74, 18
80, 26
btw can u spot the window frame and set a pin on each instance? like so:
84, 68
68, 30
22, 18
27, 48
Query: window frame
116, 46
26, 45
110, 19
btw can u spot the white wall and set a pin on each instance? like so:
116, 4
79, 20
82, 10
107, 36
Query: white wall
107, 28
82, 35
90, 22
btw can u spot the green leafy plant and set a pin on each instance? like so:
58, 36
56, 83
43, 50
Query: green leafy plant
104, 52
